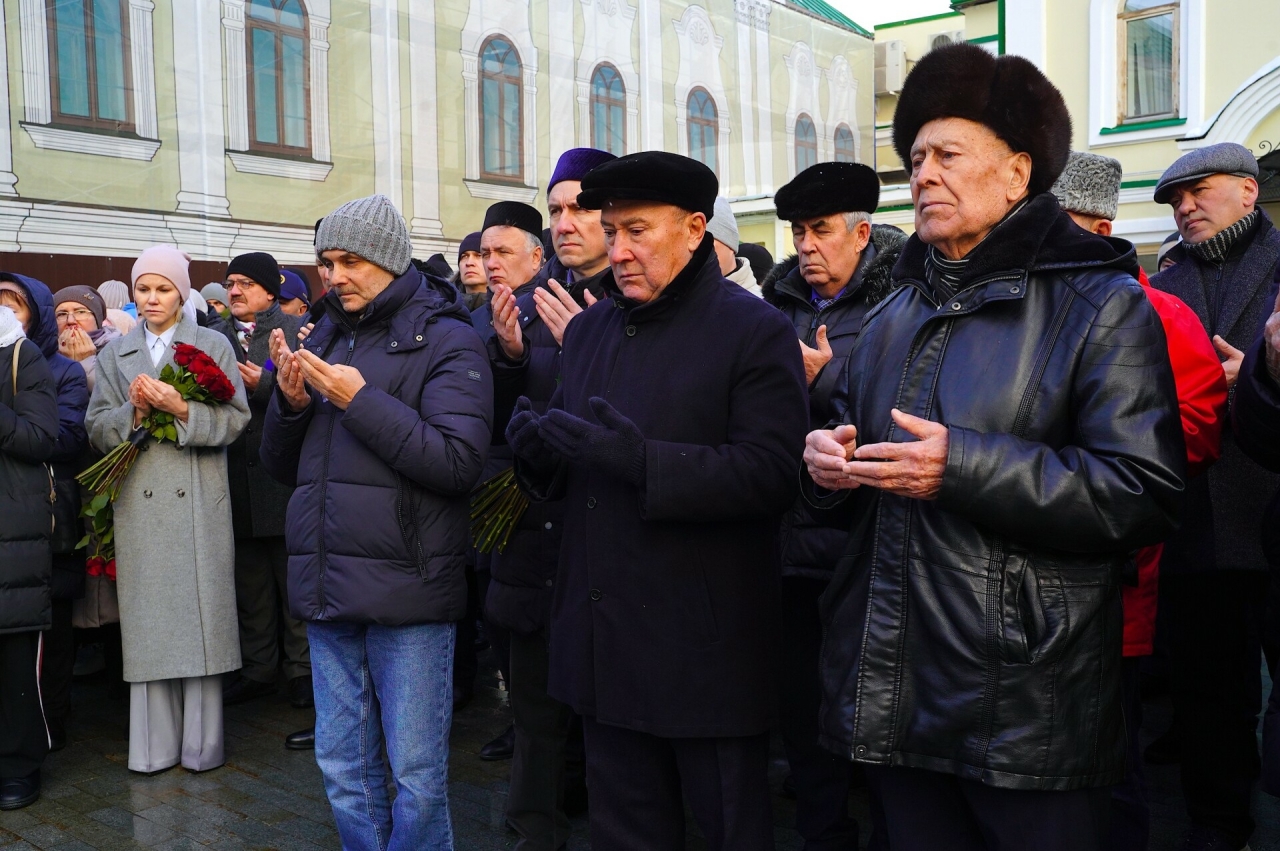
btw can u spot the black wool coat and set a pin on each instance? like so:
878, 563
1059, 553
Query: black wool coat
810, 548
1226, 504
258, 501
664, 609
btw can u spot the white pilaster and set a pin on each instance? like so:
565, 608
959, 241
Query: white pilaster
651, 112
233, 51
751, 181
560, 66
424, 114
202, 162
8, 179
764, 96
142, 59
320, 83
384, 44
1025, 30
34, 27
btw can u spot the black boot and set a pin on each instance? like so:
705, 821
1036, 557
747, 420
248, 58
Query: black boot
20, 792
502, 747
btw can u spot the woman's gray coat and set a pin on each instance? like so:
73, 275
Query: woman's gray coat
174, 550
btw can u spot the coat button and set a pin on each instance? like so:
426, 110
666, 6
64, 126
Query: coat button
181, 493
253, 463
860, 750
631, 330
147, 494
595, 594
549, 583
394, 344
1015, 290
955, 305
547, 525
418, 338
591, 502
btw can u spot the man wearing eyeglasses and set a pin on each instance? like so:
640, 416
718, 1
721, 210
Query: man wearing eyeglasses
258, 501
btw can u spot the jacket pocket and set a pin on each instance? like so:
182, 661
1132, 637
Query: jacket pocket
1034, 615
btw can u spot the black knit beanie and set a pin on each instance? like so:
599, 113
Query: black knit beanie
258, 266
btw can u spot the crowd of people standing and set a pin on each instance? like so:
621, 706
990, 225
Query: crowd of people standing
935, 509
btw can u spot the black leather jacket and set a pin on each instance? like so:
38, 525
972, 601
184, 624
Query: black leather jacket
979, 634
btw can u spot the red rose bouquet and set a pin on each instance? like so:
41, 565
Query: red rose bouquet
197, 378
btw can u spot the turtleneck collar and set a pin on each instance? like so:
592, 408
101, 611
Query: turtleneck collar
1216, 248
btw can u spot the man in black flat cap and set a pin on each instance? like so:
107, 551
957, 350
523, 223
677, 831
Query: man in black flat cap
1214, 572
676, 461
1011, 435
841, 269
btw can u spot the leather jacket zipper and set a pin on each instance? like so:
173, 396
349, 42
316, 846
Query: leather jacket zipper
324, 486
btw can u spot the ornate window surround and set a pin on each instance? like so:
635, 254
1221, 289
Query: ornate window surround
700, 68
607, 41
842, 101
38, 100
803, 99
237, 96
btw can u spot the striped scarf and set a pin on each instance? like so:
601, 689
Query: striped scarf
1216, 248
943, 274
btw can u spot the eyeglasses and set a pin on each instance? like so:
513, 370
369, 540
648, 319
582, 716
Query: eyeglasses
80, 314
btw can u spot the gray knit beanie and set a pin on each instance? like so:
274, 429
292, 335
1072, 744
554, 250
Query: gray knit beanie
371, 228
723, 226
1090, 185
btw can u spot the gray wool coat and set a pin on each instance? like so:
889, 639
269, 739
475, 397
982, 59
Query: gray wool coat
175, 555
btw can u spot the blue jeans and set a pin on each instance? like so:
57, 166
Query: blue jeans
392, 684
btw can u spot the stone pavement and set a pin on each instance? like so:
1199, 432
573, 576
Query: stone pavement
266, 797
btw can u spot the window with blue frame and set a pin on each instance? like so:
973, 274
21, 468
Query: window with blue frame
89, 63
704, 128
608, 105
501, 117
279, 90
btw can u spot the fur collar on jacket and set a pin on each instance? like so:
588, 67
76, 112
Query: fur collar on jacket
877, 281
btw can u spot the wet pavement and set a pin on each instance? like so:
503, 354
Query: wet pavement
267, 797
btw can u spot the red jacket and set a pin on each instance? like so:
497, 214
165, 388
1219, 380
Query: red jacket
1202, 401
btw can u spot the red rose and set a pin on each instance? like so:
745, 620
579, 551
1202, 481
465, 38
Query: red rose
95, 565
110, 570
184, 353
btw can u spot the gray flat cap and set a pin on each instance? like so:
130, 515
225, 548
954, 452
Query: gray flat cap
1222, 158
1090, 185
371, 228
723, 226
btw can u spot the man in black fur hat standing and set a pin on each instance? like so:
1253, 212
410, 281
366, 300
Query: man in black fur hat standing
1011, 435
841, 268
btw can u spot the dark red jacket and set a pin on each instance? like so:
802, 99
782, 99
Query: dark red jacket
1202, 402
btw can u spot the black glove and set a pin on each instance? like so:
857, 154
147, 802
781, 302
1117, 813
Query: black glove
523, 438
615, 446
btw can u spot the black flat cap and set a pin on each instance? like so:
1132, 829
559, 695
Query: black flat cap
514, 214
1008, 94
652, 176
827, 188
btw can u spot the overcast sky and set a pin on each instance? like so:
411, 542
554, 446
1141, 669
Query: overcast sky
868, 13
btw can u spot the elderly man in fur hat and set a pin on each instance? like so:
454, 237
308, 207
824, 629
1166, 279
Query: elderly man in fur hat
1010, 436
840, 270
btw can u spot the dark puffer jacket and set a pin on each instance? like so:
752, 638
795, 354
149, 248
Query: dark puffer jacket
809, 548
377, 528
28, 435
70, 453
979, 634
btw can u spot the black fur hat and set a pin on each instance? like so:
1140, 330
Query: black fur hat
1007, 94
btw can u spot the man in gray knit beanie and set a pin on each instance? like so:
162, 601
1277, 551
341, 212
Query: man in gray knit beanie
371, 228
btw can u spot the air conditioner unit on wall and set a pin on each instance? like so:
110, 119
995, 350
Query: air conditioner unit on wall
943, 39
890, 67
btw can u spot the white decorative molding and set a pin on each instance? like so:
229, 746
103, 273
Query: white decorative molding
88, 142
842, 105
251, 163
1248, 105
384, 57
33, 22
142, 61
8, 180
764, 97
202, 168
803, 99
1104, 75
319, 38
700, 68
1147, 232
565, 132
750, 177
424, 113
1025, 30
500, 191
607, 38
509, 19
651, 72
237, 75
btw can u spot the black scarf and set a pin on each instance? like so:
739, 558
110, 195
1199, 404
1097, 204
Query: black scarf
1216, 248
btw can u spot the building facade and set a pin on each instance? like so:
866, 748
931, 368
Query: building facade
225, 126
1145, 80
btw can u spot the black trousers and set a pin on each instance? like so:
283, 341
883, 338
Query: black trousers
821, 778
1130, 814
465, 663
24, 739
535, 802
262, 603
928, 811
1215, 646
58, 663
639, 782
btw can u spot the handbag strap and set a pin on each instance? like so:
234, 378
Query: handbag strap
17, 350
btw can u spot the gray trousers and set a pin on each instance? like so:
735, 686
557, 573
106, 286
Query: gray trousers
172, 721
262, 604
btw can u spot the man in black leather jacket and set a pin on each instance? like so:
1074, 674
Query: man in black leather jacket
841, 269
1012, 435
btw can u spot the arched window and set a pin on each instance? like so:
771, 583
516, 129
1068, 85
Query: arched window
608, 100
89, 62
704, 128
278, 83
1149, 62
844, 144
500, 114
806, 143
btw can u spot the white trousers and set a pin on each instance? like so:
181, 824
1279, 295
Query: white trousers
172, 721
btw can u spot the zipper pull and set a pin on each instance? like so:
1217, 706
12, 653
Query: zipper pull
352, 347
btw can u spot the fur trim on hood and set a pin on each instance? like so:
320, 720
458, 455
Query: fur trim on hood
876, 280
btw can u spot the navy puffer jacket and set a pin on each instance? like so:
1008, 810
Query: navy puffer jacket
377, 528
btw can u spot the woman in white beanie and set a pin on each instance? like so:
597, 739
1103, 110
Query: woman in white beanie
174, 550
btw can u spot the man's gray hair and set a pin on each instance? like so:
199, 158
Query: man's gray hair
855, 218
532, 241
